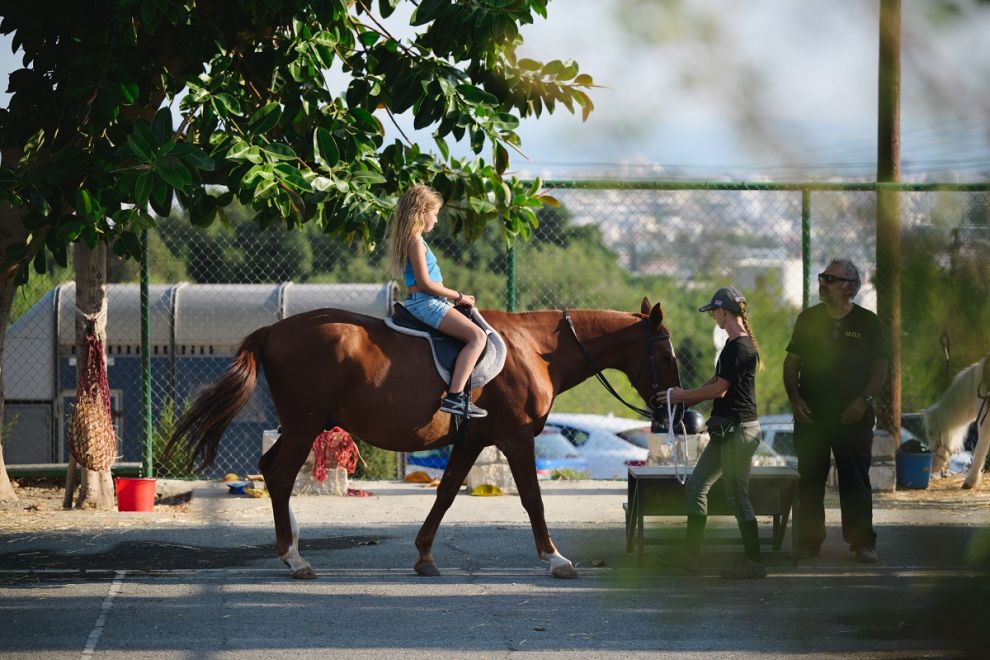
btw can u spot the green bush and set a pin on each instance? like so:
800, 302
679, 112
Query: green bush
375, 463
567, 474
176, 466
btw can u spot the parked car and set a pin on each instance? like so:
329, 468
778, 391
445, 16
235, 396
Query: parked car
599, 439
554, 454
766, 454
778, 435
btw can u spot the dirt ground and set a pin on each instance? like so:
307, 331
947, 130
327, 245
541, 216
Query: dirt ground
39, 506
39, 501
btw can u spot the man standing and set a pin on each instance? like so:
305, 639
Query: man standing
836, 364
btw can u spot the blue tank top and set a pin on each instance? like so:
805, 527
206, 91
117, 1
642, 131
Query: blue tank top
432, 268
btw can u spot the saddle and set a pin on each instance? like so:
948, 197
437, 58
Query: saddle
446, 349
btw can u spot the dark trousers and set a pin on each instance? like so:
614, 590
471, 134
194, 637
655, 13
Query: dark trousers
732, 460
852, 446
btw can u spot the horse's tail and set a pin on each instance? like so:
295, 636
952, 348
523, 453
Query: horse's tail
203, 424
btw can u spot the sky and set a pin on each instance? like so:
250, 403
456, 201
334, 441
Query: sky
773, 89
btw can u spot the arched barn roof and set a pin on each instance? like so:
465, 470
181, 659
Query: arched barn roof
184, 318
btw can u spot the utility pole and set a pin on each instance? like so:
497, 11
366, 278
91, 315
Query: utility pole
889, 208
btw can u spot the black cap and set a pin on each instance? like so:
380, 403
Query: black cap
725, 298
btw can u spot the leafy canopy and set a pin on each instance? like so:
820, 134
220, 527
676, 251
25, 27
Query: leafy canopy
89, 143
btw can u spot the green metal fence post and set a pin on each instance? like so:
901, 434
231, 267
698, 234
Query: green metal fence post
148, 468
510, 280
806, 247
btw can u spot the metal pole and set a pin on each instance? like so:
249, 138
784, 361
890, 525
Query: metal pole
510, 280
888, 209
148, 468
806, 247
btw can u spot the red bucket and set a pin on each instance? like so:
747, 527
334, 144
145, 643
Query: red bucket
135, 494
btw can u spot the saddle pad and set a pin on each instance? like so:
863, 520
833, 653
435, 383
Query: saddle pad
445, 349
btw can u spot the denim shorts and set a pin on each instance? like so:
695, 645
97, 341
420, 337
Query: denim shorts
428, 309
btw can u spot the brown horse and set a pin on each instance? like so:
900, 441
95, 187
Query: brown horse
344, 369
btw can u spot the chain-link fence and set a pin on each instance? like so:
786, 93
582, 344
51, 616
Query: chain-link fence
607, 246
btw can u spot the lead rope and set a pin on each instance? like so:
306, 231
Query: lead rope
672, 439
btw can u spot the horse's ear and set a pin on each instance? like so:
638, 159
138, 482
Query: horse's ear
644, 307
656, 318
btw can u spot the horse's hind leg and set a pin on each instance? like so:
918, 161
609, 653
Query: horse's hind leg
979, 457
280, 470
522, 462
462, 457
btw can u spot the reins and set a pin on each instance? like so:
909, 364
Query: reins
648, 340
672, 439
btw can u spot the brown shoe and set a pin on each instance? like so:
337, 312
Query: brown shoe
745, 569
681, 562
866, 555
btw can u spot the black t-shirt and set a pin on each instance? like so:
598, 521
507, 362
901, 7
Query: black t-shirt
836, 355
737, 364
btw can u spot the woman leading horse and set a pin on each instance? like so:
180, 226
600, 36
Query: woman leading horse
336, 368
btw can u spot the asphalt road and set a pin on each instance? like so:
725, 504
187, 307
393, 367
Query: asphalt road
207, 584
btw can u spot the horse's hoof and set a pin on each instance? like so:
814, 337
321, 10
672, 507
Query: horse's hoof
967, 485
565, 572
427, 569
304, 574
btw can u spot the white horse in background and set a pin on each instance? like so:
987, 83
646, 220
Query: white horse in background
947, 419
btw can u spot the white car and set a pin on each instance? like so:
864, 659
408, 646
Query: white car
778, 436
608, 454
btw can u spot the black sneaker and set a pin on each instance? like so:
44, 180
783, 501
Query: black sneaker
680, 561
456, 404
807, 552
745, 569
866, 555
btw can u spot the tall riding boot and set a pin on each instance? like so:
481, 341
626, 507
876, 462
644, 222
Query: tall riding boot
695, 531
686, 558
751, 539
750, 566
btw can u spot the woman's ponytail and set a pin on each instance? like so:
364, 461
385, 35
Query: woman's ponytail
752, 337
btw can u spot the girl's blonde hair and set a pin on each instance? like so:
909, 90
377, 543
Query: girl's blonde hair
409, 221
749, 331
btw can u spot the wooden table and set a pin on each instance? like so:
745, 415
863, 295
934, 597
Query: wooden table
657, 491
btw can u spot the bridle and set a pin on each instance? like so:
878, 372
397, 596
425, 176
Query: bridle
653, 412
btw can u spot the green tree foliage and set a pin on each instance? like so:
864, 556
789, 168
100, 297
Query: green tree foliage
944, 285
89, 141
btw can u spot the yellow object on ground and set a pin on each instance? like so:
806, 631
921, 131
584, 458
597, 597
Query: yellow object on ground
256, 492
230, 476
486, 490
418, 477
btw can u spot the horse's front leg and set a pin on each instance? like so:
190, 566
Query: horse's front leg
522, 461
280, 465
979, 457
462, 457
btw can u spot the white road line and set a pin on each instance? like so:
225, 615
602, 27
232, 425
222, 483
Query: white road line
799, 573
94, 635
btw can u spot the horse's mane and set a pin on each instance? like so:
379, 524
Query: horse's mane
946, 420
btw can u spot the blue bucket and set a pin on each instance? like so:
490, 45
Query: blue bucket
913, 470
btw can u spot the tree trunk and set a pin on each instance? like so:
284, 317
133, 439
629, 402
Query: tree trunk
96, 488
11, 231
7, 290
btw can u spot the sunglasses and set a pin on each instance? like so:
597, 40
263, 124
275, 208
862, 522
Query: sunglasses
827, 278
